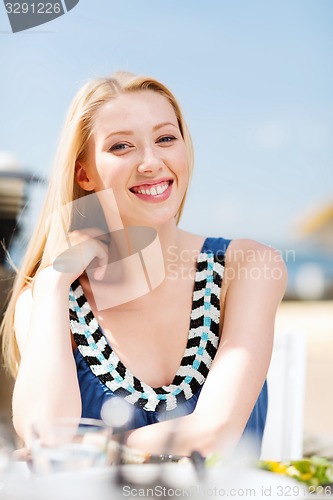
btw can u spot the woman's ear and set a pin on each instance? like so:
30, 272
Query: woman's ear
82, 177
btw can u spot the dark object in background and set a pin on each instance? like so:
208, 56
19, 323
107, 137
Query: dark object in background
12, 198
6, 383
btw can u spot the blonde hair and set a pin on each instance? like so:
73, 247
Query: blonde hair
63, 187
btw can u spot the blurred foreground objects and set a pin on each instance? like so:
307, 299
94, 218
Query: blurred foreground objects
313, 471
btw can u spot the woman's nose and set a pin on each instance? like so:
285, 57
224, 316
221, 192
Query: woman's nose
150, 161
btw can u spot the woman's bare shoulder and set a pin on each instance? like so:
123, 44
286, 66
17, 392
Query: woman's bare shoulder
247, 251
22, 315
254, 262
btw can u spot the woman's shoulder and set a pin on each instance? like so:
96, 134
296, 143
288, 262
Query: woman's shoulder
255, 263
238, 252
242, 250
246, 251
24, 299
22, 315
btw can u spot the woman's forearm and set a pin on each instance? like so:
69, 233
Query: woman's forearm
47, 385
183, 435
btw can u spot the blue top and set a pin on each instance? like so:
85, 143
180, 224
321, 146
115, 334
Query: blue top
102, 375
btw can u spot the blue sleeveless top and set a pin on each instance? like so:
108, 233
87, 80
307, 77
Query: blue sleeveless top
102, 375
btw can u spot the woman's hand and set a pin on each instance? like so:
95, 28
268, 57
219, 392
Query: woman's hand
77, 251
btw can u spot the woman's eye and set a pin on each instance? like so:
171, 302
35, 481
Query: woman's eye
119, 147
167, 138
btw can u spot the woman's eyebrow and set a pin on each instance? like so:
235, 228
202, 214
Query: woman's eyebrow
131, 132
119, 132
160, 125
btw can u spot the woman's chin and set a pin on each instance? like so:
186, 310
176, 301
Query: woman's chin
155, 218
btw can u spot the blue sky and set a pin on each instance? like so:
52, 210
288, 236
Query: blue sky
254, 78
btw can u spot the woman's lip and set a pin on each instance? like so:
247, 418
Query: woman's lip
155, 198
151, 183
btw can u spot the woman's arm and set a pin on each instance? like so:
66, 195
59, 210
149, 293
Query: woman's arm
47, 385
256, 280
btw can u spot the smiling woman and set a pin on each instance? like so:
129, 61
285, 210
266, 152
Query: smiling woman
108, 303
137, 149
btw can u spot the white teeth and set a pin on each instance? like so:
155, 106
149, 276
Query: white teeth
159, 189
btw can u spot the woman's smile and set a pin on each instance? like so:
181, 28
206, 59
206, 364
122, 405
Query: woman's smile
153, 192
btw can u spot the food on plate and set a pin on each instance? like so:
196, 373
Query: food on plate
312, 471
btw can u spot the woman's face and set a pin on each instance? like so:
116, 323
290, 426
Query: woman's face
137, 149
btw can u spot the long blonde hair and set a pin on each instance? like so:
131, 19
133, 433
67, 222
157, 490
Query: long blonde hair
63, 188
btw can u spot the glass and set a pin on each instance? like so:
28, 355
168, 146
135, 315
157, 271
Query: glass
69, 445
